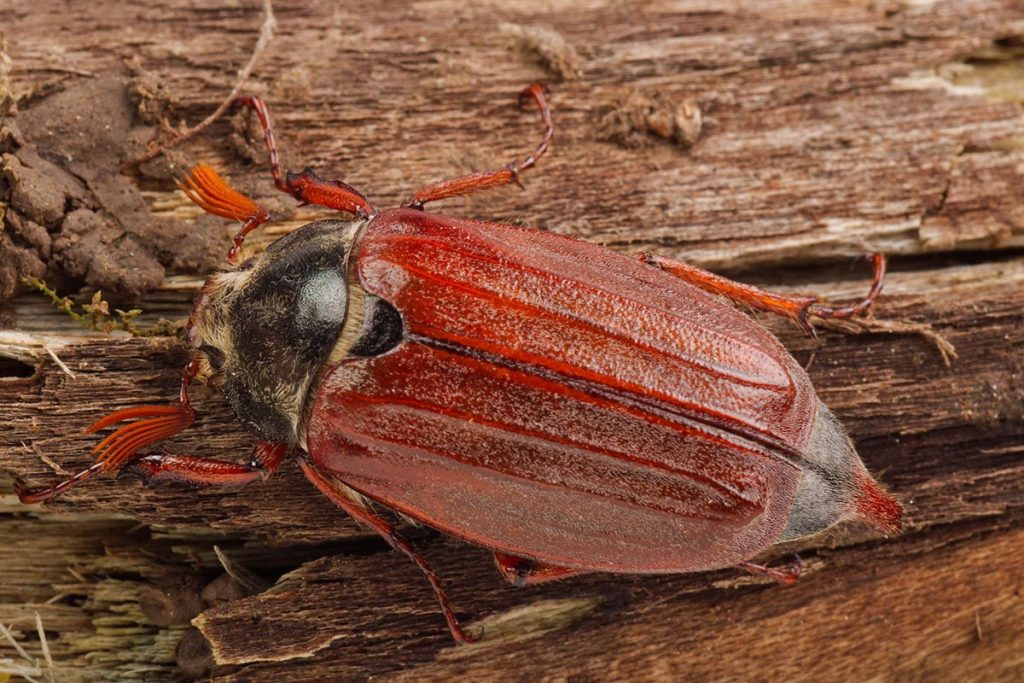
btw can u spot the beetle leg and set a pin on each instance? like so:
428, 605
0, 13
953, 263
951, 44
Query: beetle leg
266, 458
482, 180
355, 505
797, 308
151, 424
31, 497
787, 577
306, 186
520, 571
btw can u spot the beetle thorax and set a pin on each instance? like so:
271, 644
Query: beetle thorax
264, 329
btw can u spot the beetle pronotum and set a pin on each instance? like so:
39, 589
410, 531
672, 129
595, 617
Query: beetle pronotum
572, 408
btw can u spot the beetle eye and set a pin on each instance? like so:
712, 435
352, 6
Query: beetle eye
214, 355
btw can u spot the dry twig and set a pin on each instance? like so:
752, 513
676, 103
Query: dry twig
266, 33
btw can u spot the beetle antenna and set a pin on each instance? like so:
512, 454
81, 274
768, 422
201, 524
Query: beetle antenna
152, 424
212, 194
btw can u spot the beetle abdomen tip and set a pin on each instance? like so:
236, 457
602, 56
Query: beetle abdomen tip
877, 508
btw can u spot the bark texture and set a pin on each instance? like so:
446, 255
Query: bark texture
772, 141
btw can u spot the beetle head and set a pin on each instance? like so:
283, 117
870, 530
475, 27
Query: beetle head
263, 329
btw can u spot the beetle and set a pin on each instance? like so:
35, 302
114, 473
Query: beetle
572, 408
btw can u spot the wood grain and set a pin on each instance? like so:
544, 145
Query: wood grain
828, 128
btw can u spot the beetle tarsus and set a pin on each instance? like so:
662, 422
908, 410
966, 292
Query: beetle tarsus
530, 93
805, 324
878, 262
32, 497
513, 168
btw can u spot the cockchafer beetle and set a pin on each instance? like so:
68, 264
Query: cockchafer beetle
572, 408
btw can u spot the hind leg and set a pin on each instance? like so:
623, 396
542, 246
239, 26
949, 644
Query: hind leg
797, 308
787, 577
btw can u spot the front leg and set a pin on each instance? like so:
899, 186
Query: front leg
266, 458
482, 180
306, 186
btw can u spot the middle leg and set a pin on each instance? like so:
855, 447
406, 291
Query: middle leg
358, 508
475, 182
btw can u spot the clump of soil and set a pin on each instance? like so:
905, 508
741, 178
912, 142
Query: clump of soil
640, 118
548, 47
71, 216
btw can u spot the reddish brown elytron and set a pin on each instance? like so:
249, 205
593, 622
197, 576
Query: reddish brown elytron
569, 407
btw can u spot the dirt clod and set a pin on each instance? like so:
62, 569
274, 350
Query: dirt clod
15, 259
194, 655
558, 57
152, 99
36, 197
71, 216
638, 118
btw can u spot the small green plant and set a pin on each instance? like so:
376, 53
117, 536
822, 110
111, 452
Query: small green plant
95, 315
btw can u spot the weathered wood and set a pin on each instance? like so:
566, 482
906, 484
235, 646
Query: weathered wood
828, 128
916, 610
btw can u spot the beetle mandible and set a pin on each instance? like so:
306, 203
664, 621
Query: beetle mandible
571, 408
